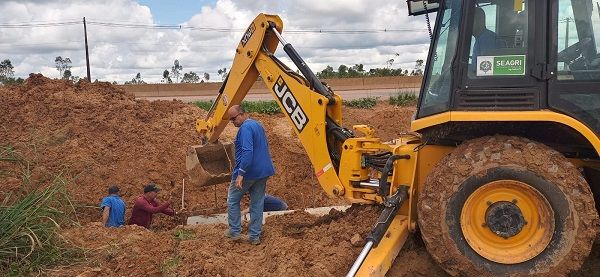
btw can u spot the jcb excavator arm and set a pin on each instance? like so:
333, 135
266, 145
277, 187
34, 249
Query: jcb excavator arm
313, 109
360, 169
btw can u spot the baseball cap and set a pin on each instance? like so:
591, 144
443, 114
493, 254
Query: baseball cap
151, 187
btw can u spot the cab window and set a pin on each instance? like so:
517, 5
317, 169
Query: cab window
576, 89
435, 97
498, 39
578, 40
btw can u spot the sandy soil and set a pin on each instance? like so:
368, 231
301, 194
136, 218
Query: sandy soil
99, 135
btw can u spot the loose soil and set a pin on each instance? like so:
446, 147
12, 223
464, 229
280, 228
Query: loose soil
97, 135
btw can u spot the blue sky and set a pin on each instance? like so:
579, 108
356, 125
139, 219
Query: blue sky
173, 12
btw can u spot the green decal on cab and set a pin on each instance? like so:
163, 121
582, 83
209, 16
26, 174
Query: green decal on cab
501, 65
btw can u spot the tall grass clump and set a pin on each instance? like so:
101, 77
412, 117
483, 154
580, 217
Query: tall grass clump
362, 103
205, 105
30, 221
404, 99
259, 106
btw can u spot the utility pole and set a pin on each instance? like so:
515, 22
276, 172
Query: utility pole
87, 55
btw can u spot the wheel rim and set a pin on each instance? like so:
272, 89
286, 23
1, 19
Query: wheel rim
507, 221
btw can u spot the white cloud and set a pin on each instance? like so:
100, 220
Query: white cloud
118, 54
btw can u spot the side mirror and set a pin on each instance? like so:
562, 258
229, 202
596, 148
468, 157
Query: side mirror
418, 7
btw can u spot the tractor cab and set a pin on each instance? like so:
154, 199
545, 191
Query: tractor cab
511, 56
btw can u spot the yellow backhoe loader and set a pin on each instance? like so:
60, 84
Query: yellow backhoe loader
501, 170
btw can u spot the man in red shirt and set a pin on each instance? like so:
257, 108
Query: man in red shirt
146, 205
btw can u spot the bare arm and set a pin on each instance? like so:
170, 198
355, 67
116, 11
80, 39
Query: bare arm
105, 213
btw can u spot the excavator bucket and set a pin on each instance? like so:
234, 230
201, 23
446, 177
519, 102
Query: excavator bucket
210, 164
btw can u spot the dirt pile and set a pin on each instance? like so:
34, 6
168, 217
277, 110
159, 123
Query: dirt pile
103, 136
296, 244
98, 133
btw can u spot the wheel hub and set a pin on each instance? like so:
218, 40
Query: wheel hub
505, 219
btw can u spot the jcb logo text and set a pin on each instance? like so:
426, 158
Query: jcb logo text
248, 34
290, 105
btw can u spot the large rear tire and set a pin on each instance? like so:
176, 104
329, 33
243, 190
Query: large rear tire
507, 206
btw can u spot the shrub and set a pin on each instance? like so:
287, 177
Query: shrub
261, 106
403, 99
362, 103
205, 105
265, 107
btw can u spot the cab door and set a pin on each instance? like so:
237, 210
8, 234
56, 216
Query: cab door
574, 58
503, 57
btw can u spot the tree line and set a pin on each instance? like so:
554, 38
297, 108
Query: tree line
358, 70
176, 75
7, 71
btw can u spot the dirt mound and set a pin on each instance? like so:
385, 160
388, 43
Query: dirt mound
388, 120
100, 134
128, 251
104, 136
296, 244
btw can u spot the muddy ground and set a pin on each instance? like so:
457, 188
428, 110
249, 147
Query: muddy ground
97, 135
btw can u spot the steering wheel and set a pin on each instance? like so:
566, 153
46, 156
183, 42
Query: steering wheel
572, 52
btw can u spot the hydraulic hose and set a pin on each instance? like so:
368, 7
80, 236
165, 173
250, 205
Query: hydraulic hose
392, 205
384, 187
314, 82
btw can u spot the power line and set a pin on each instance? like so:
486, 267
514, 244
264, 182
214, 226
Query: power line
236, 30
215, 46
37, 25
198, 28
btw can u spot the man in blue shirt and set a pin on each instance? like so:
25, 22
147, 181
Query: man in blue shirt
113, 208
484, 38
253, 166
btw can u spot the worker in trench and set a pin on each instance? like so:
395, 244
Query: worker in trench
271, 204
113, 208
146, 206
253, 166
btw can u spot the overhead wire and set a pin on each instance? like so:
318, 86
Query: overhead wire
198, 28
37, 25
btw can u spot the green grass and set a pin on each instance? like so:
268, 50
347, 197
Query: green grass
264, 107
205, 105
362, 103
30, 222
169, 266
403, 99
184, 234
